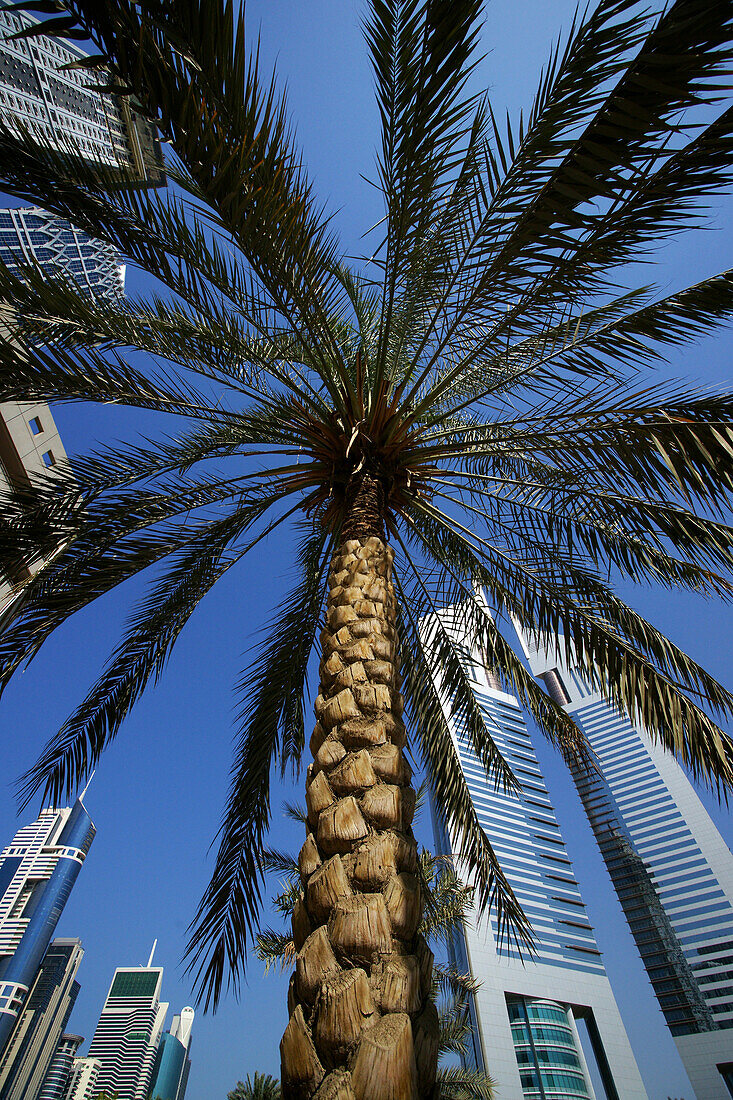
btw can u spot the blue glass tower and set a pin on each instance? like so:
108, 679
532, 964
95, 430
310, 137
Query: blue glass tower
172, 1062
37, 872
546, 1026
671, 869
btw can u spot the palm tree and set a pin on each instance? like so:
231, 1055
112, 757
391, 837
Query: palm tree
481, 402
261, 1087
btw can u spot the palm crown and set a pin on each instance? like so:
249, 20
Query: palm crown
482, 402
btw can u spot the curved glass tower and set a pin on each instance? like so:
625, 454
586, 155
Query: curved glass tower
37, 872
172, 1064
670, 867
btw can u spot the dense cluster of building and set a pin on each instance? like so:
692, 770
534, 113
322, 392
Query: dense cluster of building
45, 92
130, 1053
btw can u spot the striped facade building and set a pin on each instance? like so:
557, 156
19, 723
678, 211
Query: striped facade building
671, 870
129, 1031
546, 1027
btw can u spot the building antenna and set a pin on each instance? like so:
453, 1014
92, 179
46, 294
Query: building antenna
152, 952
91, 777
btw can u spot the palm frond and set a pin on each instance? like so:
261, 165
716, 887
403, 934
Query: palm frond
272, 693
456, 1083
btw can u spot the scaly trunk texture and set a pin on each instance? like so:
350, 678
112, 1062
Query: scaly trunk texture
361, 1026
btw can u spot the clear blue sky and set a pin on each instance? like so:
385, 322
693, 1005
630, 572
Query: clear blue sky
156, 799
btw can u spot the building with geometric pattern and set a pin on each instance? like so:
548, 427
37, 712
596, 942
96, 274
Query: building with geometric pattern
670, 867
32, 237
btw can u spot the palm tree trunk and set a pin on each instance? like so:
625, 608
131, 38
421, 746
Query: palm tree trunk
361, 1021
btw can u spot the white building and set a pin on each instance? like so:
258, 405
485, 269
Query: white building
32, 237
547, 1026
128, 1033
81, 1083
62, 105
670, 867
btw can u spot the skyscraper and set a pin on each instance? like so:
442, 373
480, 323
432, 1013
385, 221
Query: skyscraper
548, 1025
63, 106
28, 1053
172, 1063
37, 871
57, 1077
29, 235
129, 1030
670, 867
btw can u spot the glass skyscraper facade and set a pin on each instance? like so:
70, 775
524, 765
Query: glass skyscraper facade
37, 872
671, 870
172, 1062
530, 1012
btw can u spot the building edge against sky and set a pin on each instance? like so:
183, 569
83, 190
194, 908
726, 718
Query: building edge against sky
671, 869
37, 872
136, 1058
530, 1013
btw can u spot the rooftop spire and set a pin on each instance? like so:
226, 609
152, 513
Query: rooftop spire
91, 777
152, 951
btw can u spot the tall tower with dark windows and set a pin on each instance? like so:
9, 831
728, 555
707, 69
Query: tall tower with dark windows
546, 1026
671, 869
29, 1053
37, 872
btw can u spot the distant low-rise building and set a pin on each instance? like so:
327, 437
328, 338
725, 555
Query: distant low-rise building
57, 1078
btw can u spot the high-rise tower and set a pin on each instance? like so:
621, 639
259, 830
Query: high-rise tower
40, 90
37, 871
57, 1079
173, 1062
531, 1012
129, 1031
29, 1052
671, 869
